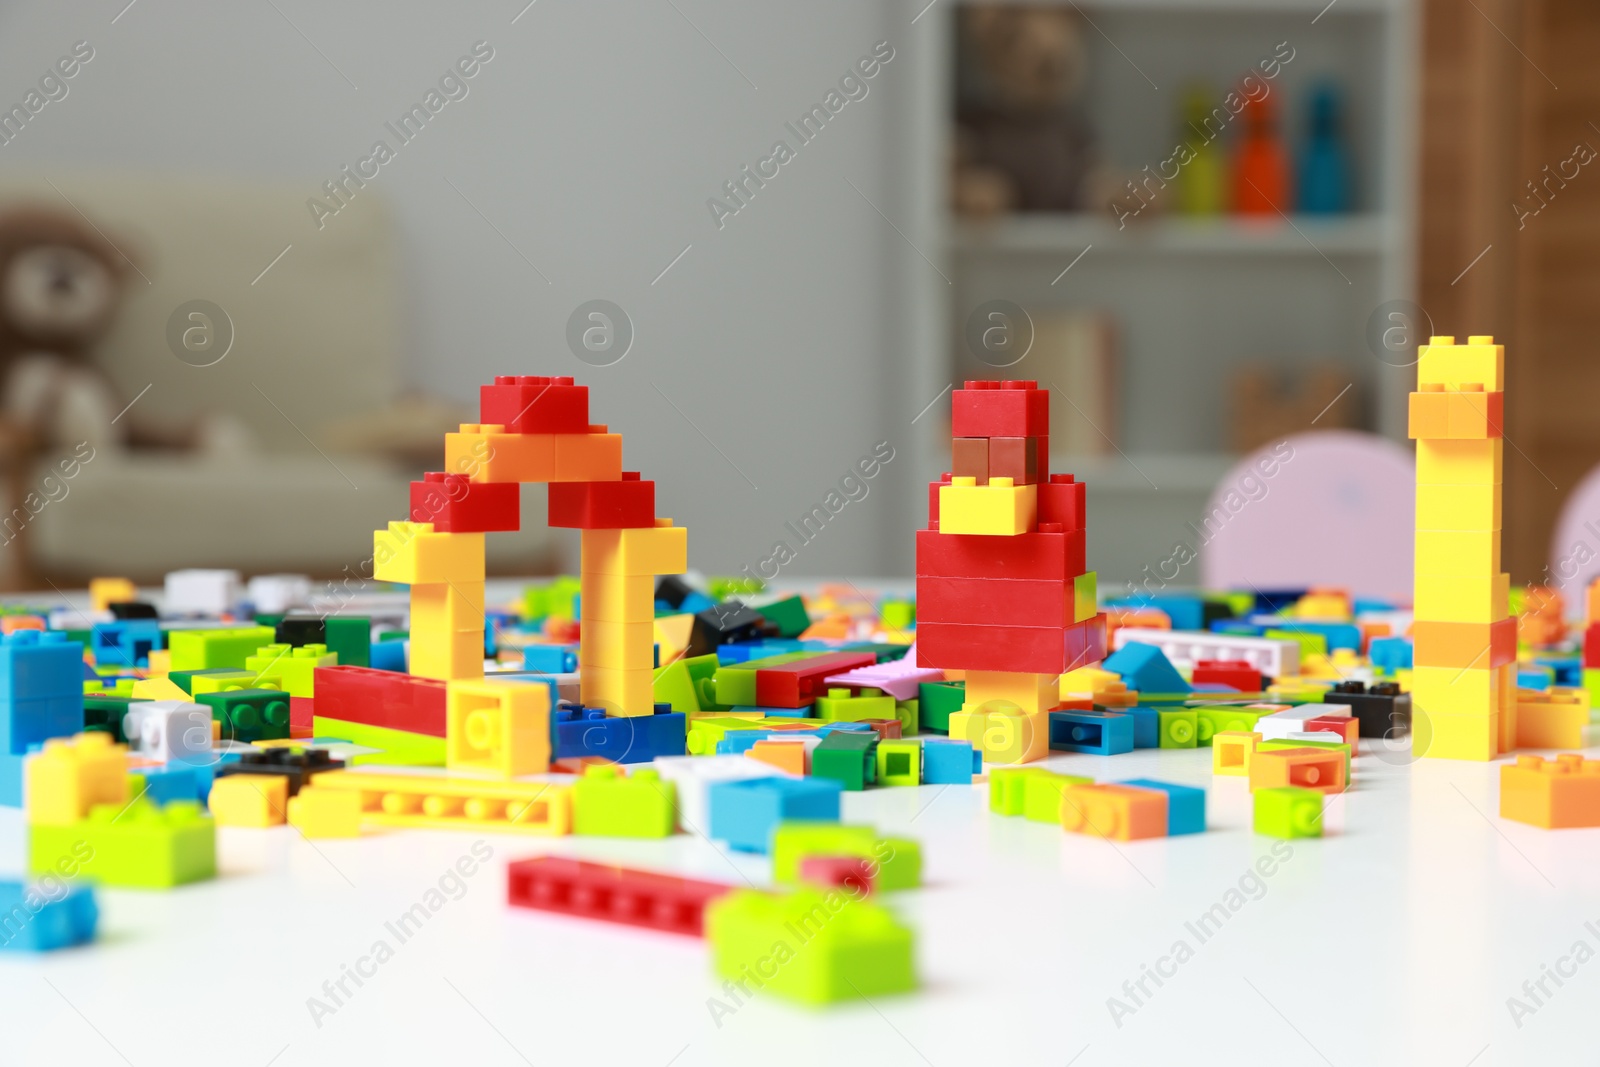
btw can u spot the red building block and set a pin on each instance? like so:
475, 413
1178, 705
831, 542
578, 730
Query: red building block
1346, 726
1030, 649
1019, 601
1016, 458
1235, 672
535, 404
1062, 500
380, 698
794, 685
1049, 552
969, 458
624, 505
1000, 409
853, 873
301, 709
1591, 645
933, 500
612, 894
454, 503
888, 729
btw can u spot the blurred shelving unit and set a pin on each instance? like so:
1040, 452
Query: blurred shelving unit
1191, 299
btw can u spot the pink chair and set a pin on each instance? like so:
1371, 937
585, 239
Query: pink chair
1575, 545
1325, 508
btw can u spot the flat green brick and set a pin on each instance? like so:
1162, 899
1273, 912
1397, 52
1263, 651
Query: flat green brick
1288, 812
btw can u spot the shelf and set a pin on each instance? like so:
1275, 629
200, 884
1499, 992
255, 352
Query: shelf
1355, 235
1309, 8
1174, 473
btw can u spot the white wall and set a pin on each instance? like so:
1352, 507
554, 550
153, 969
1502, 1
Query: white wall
591, 140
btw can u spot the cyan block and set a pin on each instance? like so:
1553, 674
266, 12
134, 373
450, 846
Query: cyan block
1568, 669
32, 722
1186, 805
126, 642
1146, 726
1146, 668
744, 813
43, 916
389, 655
802, 712
11, 780
1390, 653
550, 659
949, 762
1535, 678
1100, 733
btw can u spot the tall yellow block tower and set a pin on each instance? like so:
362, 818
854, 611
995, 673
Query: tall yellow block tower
1464, 684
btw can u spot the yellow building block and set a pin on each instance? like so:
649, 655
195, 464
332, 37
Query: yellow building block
999, 508
1442, 506
447, 607
69, 776
1551, 719
160, 662
1085, 597
1468, 737
1231, 751
255, 800
1462, 598
618, 645
1460, 462
1086, 681
1031, 693
618, 597
1458, 552
319, 812
103, 592
1003, 734
497, 726
673, 633
663, 549
1448, 365
447, 657
158, 689
411, 553
619, 691
440, 803
1455, 691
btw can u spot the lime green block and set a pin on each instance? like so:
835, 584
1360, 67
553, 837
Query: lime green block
899, 860
674, 686
897, 614
1310, 644
198, 649
736, 683
293, 666
1180, 728
1241, 604
840, 706
937, 701
226, 680
815, 947
900, 762
1041, 795
1216, 719
123, 687
702, 673
1591, 682
185, 679
910, 718
721, 587
607, 804
1288, 812
1008, 788
400, 748
1336, 746
705, 733
138, 846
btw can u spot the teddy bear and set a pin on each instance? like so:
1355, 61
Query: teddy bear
1023, 141
62, 281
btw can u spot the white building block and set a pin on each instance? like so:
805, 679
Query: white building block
1275, 656
168, 730
201, 591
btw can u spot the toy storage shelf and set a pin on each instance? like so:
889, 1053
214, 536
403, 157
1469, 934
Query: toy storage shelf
1191, 299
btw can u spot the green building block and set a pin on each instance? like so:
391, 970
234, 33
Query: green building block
910, 718
673, 685
840, 706
722, 586
292, 666
702, 674
195, 649
897, 614
185, 679
122, 687
1240, 604
349, 638
937, 701
847, 757
705, 733
140, 846
607, 804
886, 651
249, 714
1008, 788
900, 762
395, 747
788, 615
228, 680
899, 859
1180, 727
736, 683
105, 713
1215, 719
815, 947
1310, 644
1591, 682
1041, 795
1288, 812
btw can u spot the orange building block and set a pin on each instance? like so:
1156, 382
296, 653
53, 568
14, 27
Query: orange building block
1483, 645
788, 756
1119, 812
1553, 794
1552, 718
1308, 768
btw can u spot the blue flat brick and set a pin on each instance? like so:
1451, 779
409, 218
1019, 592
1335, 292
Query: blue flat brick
947, 762
1100, 733
637, 739
1146, 726
744, 813
1186, 805
41, 917
550, 659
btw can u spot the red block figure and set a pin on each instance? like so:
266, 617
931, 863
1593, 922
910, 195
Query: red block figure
628, 504
612, 894
1235, 672
535, 404
454, 503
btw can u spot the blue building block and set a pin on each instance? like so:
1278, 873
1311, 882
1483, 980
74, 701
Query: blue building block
1335, 634
1568, 669
1236, 628
1390, 653
745, 812
41, 917
579, 731
41, 688
802, 712
10, 780
947, 762
1186, 805
389, 655
1535, 678
1146, 668
550, 659
1101, 733
175, 781
1146, 726
126, 642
